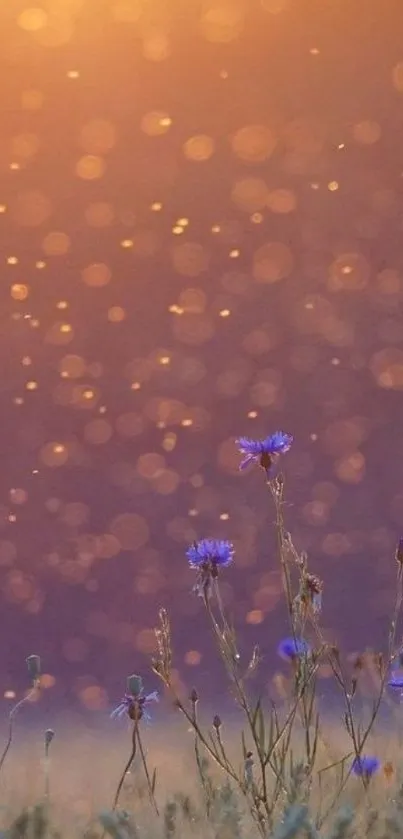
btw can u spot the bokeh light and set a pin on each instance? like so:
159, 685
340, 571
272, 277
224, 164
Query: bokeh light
201, 221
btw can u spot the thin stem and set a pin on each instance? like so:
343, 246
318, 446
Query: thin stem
127, 767
145, 767
359, 746
11, 716
47, 772
280, 530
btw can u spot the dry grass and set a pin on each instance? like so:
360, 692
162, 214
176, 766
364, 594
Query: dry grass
85, 766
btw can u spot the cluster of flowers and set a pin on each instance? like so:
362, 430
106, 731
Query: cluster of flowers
208, 556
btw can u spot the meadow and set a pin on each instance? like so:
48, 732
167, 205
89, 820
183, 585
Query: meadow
282, 766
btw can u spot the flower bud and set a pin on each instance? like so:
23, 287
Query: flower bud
34, 667
399, 552
134, 685
49, 735
217, 722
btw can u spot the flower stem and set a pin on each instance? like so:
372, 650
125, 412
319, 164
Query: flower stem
127, 767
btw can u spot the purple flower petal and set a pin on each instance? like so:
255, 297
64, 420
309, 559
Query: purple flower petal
217, 552
246, 461
365, 765
272, 446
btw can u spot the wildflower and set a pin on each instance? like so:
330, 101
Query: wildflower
365, 766
292, 648
206, 557
264, 452
214, 552
135, 705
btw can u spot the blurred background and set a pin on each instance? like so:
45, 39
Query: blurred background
201, 224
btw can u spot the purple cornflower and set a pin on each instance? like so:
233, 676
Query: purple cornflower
215, 552
292, 648
264, 452
135, 706
206, 557
365, 766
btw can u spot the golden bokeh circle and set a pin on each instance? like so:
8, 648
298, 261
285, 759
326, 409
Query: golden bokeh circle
31, 208
193, 300
253, 143
190, 259
282, 201
157, 47
32, 19
131, 530
366, 132
222, 21
96, 275
272, 262
156, 123
150, 465
19, 291
199, 148
72, 366
349, 272
54, 454
90, 167
56, 243
386, 366
98, 432
250, 194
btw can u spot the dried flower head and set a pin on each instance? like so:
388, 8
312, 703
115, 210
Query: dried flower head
49, 735
365, 766
359, 662
292, 648
33, 663
311, 591
264, 452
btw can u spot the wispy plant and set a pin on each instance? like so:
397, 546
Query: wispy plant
267, 772
34, 671
134, 704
